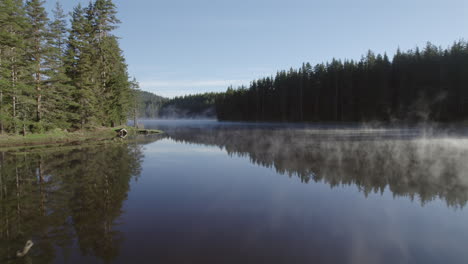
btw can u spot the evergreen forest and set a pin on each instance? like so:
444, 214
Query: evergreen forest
61, 71
428, 84
150, 105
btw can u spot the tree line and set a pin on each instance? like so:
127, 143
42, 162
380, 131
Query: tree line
150, 105
190, 106
55, 76
428, 84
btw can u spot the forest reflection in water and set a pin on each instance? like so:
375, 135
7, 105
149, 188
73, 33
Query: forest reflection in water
61, 197
70, 201
418, 163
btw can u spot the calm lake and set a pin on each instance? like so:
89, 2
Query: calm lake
210, 192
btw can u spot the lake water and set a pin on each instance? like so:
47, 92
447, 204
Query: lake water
208, 192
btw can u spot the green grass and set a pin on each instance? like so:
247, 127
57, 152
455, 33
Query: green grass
60, 137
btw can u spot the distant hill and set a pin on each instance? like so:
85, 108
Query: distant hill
187, 106
150, 104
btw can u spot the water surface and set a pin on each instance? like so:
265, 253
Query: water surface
208, 192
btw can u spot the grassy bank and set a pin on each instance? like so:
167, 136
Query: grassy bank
60, 137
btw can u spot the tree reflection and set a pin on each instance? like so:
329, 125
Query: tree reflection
407, 163
59, 198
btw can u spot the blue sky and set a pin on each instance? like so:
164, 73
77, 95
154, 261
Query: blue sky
181, 47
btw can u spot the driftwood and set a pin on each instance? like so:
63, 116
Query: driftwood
122, 132
25, 250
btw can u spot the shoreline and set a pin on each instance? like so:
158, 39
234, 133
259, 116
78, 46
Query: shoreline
60, 137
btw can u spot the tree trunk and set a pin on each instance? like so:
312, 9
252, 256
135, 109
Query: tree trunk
336, 99
13, 84
135, 117
39, 95
317, 101
1, 98
301, 98
1, 107
14, 113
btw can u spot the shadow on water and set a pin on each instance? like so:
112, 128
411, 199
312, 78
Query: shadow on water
412, 162
65, 198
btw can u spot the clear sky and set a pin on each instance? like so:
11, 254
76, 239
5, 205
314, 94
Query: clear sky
180, 47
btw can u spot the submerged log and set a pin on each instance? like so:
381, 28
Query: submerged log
27, 247
148, 131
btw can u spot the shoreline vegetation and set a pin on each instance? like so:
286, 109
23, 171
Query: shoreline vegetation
59, 137
58, 76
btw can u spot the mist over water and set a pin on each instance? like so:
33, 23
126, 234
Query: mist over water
419, 162
226, 192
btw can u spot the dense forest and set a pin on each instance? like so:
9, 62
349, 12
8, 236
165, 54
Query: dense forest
56, 76
150, 105
428, 84
190, 106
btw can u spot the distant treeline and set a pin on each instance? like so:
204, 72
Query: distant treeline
188, 106
427, 84
149, 104
55, 76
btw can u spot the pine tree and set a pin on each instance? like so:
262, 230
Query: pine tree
14, 71
37, 50
96, 65
58, 104
135, 87
113, 84
79, 64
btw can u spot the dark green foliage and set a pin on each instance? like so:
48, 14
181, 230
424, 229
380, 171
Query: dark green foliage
149, 104
190, 106
55, 77
96, 66
187, 106
427, 85
15, 78
58, 102
36, 51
